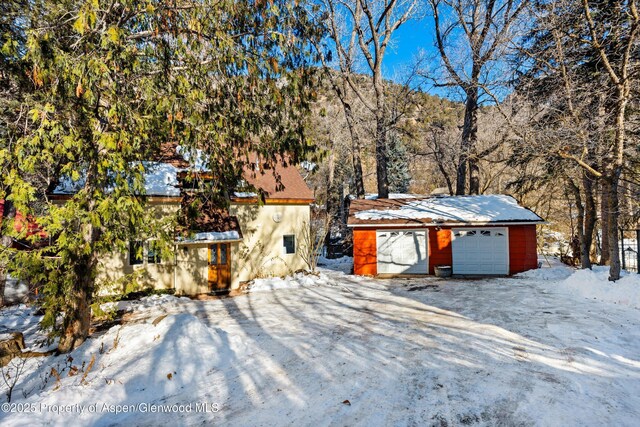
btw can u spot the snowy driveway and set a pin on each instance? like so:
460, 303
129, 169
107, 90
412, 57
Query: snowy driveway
357, 351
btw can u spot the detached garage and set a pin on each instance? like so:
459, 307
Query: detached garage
475, 235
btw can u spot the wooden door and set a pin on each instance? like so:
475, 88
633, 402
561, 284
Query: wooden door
219, 267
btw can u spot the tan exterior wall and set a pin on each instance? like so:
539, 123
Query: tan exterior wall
114, 267
192, 270
261, 253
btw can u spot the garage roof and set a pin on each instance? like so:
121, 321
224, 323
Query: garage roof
440, 210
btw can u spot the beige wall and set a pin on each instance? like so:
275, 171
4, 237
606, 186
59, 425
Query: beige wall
114, 271
192, 271
261, 253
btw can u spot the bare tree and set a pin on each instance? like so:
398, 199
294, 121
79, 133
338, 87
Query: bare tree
621, 66
369, 26
472, 37
582, 73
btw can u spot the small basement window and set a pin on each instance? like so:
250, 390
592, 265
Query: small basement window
289, 244
136, 248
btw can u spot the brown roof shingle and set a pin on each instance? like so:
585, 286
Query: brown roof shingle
281, 181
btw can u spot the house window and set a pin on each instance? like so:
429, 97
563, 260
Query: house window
135, 252
289, 244
140, 250
153, 252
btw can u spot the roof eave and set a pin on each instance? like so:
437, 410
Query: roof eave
150, 198
446, 224
272, 201
205, 242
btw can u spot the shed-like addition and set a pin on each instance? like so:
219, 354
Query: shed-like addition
475, 235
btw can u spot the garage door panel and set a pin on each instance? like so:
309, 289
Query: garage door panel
480, 251
402, 251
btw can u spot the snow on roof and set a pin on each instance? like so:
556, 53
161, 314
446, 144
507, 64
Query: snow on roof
211, 236
391, 196
278, 181
457, 209
160, 180
195, 158
244, 195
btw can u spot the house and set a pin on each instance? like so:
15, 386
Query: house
258, 235
475, 235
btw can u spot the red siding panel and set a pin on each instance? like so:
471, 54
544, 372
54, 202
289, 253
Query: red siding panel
439, 248
523, 251
365, 257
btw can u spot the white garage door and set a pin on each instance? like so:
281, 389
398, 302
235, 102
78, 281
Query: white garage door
402, 252
480, 250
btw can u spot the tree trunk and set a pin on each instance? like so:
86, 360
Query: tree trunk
332, 198
77, 312
381, 157
8, 213
469, 138
614, 254
604, 223
613, 180
356, 157
77, 316
474, 174
589, 220
580, 217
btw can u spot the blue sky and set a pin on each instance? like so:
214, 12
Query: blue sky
412, 38
408, 40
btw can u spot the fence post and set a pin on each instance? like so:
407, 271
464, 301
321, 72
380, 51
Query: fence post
624, 261
638, 250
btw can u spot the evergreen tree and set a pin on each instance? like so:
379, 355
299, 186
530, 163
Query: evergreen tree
108, 83
399, 174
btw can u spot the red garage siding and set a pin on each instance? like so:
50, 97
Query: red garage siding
365, 252
523, 253
439, 248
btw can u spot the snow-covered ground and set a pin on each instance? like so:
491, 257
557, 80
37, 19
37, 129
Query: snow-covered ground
348, 350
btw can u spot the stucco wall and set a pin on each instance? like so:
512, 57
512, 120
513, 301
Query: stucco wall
192, 269
113, 267
261, 253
